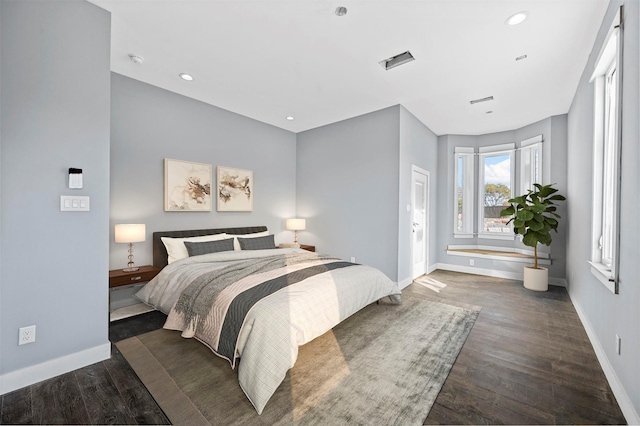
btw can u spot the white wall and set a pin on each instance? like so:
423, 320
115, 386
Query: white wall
605, 314
54, 80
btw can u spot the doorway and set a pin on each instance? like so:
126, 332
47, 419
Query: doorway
419, 221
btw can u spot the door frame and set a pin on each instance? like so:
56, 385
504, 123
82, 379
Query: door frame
427, 201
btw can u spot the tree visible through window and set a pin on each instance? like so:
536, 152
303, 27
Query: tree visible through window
497, 184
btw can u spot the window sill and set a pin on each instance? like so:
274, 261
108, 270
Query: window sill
497, 236
463, 235
603, 274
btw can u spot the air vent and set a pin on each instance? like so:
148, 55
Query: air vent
477, 101
519, 58
397, 60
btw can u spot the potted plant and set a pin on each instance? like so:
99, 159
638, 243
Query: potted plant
534, 216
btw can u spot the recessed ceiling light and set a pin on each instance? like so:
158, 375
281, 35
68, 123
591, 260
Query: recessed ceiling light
187, 77
516, 18
290, 118
489, 112
341, 10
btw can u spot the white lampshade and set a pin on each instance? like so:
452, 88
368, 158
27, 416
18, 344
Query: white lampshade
131, 233
295, 224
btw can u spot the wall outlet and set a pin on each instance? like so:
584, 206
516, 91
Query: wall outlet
472, 262
353, 259
618, 343
27, 335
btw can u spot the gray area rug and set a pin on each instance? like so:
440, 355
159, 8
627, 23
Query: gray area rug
383, 365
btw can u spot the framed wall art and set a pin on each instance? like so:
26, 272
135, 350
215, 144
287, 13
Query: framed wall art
187, 186
235, 190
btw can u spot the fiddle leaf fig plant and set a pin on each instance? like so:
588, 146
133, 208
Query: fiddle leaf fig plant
534, 216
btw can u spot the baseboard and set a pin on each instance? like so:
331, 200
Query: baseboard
404, 283
494, 273
55, 367
628, 410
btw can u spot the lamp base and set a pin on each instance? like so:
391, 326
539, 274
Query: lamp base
131, 269
289, 245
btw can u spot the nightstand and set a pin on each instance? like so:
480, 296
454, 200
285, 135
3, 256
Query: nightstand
118, 277
307, 247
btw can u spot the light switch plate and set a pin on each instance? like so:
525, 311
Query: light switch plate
74, 203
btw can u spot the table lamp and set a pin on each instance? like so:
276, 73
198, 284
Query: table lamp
295, 225
130, 233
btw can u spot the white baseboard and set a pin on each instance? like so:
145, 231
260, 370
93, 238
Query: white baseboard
629, 411
493, 273
402, 284
52, 368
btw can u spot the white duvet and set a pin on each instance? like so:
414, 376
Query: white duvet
275, 326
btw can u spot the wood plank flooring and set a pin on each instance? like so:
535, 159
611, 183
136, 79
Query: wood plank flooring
527, 360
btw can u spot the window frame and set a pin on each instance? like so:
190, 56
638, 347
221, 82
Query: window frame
467, 155
490, 151
607, 144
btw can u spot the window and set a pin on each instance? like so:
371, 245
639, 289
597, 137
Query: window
530, 163
464, 190
496, 177
606, 157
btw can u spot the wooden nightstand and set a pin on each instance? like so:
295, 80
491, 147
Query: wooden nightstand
117, 277
308, 247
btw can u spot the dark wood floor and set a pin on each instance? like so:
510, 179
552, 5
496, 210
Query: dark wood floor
527, 360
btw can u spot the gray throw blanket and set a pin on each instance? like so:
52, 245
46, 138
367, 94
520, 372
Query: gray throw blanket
196, 300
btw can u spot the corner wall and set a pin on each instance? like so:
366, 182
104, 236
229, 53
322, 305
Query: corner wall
347, 188
55, 115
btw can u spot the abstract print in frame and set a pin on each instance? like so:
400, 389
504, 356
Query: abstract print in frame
235, 190
187, 186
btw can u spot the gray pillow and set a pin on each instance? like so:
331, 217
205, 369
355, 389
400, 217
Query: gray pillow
257, 243
205, 247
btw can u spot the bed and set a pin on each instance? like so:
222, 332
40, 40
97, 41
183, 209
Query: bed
255, 306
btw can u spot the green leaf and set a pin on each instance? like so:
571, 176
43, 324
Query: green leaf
538, 218
530, 239
525, 215
518, 223
551, 221
557, 197
538, 207
536, 226
509, 211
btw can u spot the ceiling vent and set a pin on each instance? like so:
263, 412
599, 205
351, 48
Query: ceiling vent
477, 101
397, 60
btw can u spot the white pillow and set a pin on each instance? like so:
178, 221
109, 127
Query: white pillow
177, 250
236, 243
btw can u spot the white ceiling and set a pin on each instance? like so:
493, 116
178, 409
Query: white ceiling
271, 59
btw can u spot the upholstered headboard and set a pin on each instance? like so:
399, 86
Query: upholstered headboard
160, 251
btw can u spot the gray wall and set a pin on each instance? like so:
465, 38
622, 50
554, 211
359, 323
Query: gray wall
55, 114
149, 124
347, 188
418, 146
608, 314
554, 132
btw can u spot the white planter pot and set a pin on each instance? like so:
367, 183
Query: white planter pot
536, 279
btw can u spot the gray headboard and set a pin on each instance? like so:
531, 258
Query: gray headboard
160, 252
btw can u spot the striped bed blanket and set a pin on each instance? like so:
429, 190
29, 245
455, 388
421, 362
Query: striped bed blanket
255, 308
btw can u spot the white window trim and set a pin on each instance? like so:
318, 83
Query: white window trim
468, 156
487, 151
530, 145
611, 51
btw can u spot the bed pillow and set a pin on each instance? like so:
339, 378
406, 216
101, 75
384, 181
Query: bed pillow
236, 244
176, 249
257, 243
205, 247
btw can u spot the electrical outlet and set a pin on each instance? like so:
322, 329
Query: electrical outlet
353, 259
618, 344
27, 335
472, 262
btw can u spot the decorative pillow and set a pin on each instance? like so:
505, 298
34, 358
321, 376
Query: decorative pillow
196, 249
177, 250
257, 243
236, 244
